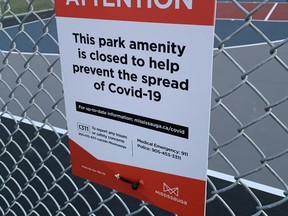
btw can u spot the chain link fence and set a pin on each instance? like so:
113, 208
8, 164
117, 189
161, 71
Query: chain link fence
249, 121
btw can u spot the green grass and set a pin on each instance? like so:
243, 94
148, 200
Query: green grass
22, 6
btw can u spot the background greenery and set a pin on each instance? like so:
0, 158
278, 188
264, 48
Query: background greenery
22, 6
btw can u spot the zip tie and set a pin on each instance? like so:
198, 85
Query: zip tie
134, 185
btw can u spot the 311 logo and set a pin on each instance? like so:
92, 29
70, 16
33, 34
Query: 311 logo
83, 127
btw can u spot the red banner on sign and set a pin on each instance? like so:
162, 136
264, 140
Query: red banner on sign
196, 12
177, 194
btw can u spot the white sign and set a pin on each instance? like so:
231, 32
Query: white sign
137, 96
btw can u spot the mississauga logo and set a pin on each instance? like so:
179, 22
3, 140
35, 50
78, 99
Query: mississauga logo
171, 193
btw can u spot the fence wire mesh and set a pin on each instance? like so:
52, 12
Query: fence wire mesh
249, 121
